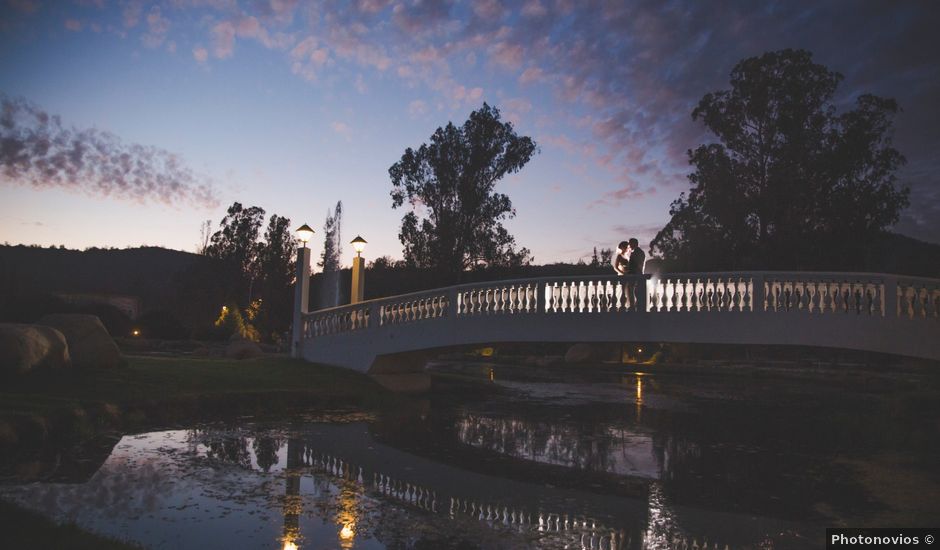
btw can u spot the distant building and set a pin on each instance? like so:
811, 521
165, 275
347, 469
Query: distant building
129, 305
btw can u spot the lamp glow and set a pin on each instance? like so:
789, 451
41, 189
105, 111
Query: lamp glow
358, 244
304, 233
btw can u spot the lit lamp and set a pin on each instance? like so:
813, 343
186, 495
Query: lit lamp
304, 234
358, 271
301, 300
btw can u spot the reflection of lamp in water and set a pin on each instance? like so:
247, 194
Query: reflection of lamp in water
293, 504
639, 396
348, 514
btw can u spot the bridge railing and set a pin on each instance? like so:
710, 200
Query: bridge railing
771, 292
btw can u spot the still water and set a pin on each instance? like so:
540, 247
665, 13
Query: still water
630, 461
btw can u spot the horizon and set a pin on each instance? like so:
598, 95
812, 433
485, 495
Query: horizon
295, 106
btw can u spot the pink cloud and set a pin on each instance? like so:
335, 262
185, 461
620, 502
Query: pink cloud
223, 39
131, 13
73, 25
488, 9
372, 6
530, 75
507, 55
200, 54
533, 8
341, 128
417, 108
157, 28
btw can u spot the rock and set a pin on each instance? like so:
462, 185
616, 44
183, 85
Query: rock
243, 349
579, 353
90, 345
24, 348
583, 353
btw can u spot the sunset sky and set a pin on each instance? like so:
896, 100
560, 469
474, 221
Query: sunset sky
293, 106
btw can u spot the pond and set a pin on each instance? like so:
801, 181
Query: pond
621, 461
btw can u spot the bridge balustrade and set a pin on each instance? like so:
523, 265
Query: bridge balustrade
600, 300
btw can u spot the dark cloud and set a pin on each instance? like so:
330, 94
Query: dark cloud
640, 67
35, 149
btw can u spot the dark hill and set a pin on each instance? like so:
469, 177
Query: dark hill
188, 288
146, 272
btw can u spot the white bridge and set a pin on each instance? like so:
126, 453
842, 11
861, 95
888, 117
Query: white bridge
856, 311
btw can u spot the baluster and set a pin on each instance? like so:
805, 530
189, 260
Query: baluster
838, 299
918, 300
680, 295
747, 293
670, 292
582, 296
734, 297
934, 303
723, 300
826, 304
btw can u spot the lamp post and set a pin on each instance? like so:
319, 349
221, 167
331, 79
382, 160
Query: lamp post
358, 271
301, 299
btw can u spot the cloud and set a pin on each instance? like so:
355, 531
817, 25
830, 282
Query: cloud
223, 39
131, 13
73, 25
157, 28
28, 7
530, 75
421, 16
533, 8
341, 128
200, 54
510, 56
417, 108
35, 149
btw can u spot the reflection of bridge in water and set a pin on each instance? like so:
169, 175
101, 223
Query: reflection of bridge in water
552, 529
855, 311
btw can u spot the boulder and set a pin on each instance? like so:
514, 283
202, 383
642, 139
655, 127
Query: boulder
583, 353
579, 353
243, 349
24, 348
90, 345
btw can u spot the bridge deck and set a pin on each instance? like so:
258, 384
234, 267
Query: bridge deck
857, 311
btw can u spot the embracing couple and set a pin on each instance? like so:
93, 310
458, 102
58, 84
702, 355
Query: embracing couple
630, 258
630, 261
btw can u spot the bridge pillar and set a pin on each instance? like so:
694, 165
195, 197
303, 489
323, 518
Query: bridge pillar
301, 300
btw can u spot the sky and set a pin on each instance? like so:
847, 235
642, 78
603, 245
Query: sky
293, 106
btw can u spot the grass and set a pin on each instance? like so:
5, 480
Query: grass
155, 390
24, 528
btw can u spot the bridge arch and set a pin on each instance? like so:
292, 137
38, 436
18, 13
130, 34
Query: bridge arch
857, 311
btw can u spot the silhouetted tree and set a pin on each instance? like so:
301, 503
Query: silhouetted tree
205, 234
331, 257
237, 238
791, 183
455, 218
276, 266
